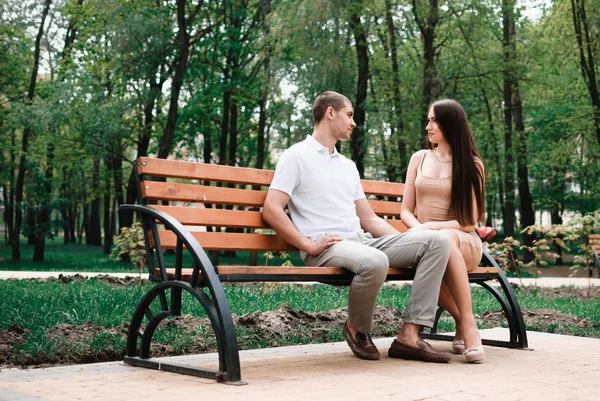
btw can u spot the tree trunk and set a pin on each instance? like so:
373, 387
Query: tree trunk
118, 184
93, 235
586, 59
9, 212
233, 134
183, 43
427, 27
493, 151
398, 173
126, 217
357, 142
5, 215
106, 207
224, 122
73, 213
556, 218
19, 189
508, 37
525, 199
42, 227
85, 223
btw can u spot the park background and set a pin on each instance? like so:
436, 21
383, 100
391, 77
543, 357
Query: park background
86, 86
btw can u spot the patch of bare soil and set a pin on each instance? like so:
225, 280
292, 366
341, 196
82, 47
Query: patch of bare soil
68, 344
564, 292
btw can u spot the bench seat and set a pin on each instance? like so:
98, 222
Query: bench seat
304, 273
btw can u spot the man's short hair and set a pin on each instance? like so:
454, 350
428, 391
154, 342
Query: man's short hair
326, 99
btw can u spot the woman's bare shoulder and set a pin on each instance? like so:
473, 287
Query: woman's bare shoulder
419, 154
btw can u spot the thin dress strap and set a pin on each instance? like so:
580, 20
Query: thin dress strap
421, 162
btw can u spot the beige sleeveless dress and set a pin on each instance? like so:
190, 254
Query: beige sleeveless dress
433, 204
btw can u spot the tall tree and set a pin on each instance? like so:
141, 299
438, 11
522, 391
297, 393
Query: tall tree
508, 37
184, 41
586, 38
397, 124
427, 25
19, 188
361, 45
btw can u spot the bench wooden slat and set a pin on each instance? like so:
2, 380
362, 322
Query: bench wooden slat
176, 192
382, 188
155, 190
398, 225
239, 175
385, 208
203, 172
199, 216
230, 241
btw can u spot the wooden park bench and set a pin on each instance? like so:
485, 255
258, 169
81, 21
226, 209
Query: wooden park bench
215, 197
594, 242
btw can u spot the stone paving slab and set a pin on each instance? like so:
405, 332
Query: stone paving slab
559, 368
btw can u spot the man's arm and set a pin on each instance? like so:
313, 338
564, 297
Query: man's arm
274, 215
370, 222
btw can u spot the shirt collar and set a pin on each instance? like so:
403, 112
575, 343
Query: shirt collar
312, 143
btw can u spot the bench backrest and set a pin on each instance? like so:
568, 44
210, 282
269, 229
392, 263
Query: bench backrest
215, 197
594, 241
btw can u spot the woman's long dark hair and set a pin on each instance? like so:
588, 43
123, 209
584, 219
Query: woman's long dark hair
467, 176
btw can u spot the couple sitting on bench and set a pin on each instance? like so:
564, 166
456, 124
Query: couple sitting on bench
332, 224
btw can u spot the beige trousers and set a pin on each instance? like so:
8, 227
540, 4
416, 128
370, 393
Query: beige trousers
369, 258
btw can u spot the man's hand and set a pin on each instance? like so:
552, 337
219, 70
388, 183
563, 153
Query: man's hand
323, 243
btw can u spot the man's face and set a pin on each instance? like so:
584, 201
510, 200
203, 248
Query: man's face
343, 123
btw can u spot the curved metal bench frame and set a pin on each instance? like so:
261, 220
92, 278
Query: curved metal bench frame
216, 306
597, 259
508, 302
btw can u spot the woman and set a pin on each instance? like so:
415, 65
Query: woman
444, 190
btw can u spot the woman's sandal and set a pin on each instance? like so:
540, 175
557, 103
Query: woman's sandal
458, 346
474, 354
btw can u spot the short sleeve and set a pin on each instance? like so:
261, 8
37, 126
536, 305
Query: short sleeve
287, 173
359, 193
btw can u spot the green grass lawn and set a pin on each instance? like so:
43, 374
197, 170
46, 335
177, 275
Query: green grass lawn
85, 258
39, 306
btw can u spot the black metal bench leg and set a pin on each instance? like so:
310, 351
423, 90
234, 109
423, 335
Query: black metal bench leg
215, 305
516, 310
139, 339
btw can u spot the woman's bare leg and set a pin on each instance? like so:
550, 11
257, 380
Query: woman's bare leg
457, 281
458, 295
447, 302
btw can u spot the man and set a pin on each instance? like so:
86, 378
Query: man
332, 224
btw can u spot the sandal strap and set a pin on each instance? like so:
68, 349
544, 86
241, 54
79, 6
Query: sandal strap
472, 349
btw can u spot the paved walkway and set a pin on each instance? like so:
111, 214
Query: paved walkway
560, 368
540, 282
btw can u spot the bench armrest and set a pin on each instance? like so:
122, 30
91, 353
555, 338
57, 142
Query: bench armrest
183, 236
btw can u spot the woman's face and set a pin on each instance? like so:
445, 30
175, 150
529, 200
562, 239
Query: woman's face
434, 132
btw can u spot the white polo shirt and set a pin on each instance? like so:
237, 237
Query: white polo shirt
322, 189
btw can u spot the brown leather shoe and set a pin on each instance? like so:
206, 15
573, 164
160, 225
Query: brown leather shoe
362, 346
424, 352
